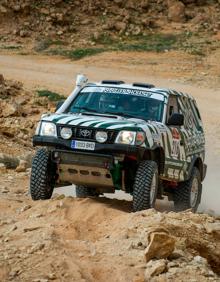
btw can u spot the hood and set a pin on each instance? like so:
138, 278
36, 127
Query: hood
96, 121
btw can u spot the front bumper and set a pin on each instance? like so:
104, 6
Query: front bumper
58, 143
92, 170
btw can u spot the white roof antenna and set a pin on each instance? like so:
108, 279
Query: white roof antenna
81, 79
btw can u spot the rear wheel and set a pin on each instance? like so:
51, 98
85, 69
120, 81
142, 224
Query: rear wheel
188, 193
84, 192
145, 186
43, 175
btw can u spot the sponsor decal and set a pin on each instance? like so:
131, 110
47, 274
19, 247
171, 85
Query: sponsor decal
175, 152
175, 134
125, 91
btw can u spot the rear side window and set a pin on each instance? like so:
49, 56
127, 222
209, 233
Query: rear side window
172, 106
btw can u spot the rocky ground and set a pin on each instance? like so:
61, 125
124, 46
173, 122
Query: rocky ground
35, 26
20, 110
57, 18
68, 239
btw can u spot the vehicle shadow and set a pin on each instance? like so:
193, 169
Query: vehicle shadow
119, 200
126, 205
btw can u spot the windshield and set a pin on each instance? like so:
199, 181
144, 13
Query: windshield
119, 101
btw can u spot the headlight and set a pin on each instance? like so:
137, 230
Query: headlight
101, 136
48, 129
126, 137
66, 132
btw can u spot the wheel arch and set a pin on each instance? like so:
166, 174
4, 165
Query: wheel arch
156, 154
198, 163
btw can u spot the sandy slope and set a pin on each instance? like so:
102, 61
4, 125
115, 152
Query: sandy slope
68, 239
59, 75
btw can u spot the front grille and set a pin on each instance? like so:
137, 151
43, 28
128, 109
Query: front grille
84, 133
88, 134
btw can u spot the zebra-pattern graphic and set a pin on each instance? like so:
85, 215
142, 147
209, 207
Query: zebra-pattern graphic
180, 144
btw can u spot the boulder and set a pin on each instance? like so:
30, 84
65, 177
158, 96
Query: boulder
8, 131
161, 245
176, 11
9, 109
213, 227
9, 161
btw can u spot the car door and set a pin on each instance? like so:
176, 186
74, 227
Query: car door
175, 155
193, 130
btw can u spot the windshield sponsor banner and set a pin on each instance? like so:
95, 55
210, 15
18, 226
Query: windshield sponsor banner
123, 91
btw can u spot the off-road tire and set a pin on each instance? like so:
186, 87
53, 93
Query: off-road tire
143, 184
84, 192
182, 194
42, 176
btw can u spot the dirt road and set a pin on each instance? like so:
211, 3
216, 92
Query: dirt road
59, 74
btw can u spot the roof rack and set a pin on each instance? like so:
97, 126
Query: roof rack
117, 82
145, 85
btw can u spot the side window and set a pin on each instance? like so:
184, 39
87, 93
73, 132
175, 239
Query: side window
172, 106
198, 120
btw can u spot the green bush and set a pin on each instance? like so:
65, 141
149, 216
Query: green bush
52, 96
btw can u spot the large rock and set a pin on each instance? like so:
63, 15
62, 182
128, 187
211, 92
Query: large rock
213, 227
8, 131
161, 245
176, 11
9, 161
9, 109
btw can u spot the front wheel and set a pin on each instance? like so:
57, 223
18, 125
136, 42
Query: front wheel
145, 186
188, 193
43, 173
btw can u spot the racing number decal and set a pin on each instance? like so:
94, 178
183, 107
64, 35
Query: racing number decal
175, 153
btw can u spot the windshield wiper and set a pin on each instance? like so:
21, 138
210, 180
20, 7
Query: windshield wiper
86, 109
120, 114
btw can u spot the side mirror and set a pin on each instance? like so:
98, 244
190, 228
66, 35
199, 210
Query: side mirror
59, 104
176, 119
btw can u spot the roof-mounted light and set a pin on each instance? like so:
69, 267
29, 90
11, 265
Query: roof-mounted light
116, 82
144, 85
81, 79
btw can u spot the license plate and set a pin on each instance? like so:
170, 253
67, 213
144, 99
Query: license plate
83, 145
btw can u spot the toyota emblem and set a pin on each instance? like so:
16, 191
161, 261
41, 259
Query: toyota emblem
85, 133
